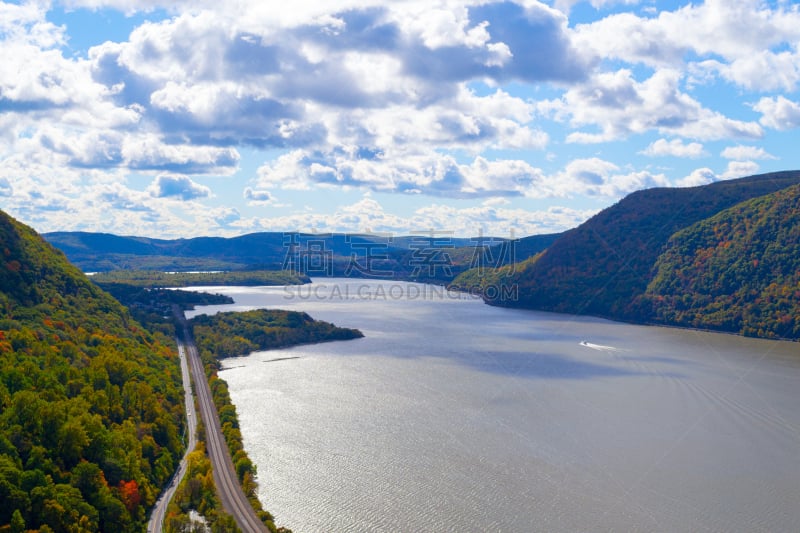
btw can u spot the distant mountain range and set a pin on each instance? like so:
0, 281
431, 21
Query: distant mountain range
436, 257
723, 256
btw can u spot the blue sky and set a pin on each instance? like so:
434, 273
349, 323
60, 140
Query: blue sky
178, 119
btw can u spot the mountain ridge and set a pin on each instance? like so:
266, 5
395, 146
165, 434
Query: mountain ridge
605, 266
600, 266
335, 254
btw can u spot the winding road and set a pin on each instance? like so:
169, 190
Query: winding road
230, 492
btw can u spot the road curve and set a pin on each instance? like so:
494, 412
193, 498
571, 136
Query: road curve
230, 492
156, 522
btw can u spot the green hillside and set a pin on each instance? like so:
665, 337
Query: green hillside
736, 271
90, 403
602, 266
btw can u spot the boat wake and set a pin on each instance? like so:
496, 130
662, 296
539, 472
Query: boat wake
599, 347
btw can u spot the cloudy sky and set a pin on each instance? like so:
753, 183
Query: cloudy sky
177, 119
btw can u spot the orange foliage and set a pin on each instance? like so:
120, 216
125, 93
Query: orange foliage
129, 494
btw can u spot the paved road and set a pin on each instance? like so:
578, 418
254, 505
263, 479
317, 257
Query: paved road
160, 509
228, 488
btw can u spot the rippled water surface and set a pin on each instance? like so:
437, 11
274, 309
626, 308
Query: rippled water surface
451, 415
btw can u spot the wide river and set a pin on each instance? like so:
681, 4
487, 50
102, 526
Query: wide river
451, 415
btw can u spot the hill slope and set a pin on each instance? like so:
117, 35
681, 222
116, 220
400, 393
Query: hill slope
90, 403
736, 271
603, 265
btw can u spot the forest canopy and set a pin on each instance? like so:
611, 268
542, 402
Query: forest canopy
91, 409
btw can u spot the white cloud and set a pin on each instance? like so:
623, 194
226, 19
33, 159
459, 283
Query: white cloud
497, 221
151, 153
699, 176
180, 187
704, 176
744, 41
39, 85
740, 169
597, 177
368, 76
464, 122
225, 216
258, 197
675, 148
778, 113
426, 172
120, 198
764, 70
439, 27
106, 148
368, 215
741, 153
619, 105
441, 175
27, 23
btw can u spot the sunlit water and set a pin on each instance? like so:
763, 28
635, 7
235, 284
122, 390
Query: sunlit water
451, 415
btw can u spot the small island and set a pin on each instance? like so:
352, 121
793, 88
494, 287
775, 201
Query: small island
232, 334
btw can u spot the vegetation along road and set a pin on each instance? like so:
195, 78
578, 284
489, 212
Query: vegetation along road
160, 509
230, 493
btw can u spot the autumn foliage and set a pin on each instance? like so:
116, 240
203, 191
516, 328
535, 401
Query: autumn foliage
90, 403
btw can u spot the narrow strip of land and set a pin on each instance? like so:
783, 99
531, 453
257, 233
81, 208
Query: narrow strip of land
230, 492
156, 523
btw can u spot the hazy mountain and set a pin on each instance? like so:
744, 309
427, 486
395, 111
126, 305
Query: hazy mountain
438, 257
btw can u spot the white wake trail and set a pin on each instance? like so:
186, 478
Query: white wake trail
599, 347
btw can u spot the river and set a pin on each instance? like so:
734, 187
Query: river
451, 415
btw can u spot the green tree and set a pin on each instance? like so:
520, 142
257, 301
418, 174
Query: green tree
17, 522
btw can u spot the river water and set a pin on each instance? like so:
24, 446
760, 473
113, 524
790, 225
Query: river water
451, 415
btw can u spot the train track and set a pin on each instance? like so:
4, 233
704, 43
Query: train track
230, 492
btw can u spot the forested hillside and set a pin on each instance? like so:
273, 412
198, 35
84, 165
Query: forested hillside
90, 403
730, 260
736, 271
601, 266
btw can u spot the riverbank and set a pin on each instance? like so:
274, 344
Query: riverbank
237, 334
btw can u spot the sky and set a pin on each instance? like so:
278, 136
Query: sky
505, 118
